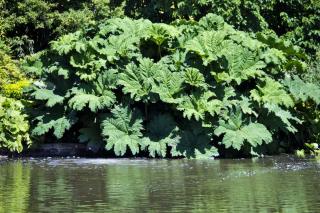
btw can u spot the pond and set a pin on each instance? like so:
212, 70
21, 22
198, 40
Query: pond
277, 184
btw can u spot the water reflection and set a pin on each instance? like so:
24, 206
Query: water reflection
14, 187
86, 185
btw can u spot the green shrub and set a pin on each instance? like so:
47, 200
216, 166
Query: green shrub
310, 131
29, 25
183, 89
12, 80
294, 20
14, 125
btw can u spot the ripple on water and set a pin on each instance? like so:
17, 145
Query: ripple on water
277, 184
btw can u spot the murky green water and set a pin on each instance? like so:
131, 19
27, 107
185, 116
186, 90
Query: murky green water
88, 185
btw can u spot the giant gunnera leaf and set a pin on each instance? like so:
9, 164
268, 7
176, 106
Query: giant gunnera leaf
65, 44
302, 91
159, 33
168, 85
236, 132
137, 80
49, 96
242, 65
209, 45
56, 122
285, 116
122, 130
198, 103
97, 95
271, 92
194, 78
81, 99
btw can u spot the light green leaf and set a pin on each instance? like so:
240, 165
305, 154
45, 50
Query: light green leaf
168, 85
122, 130
302, 91
138, 80
198, 103
209, 45
242, 65
194, 78
236, 133
58, 124
245, 105
285, 116
95, 103
49, 96
272, 92
159, 33
66, 43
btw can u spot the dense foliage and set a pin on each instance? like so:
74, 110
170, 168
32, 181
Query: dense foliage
184, 89
14, 126
295, 20
162, 78
28, 25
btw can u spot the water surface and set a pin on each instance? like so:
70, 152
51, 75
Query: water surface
277, 184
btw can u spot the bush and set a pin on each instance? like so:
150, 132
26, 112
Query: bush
294, 20
29, 25
310, 131
12, 81
185, 89
14, 125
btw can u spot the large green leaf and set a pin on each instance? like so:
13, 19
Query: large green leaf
242, 65
159, 33
236, 132
49, 96
138, 80
212, 22
126, 26
303, 91
59, 124
194, 78
272, 92
198, 103
87, 65
65, 44
285, 116
126, 35
209, 45
168, 85
123, 129
245, 105
81, 99
97, 95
